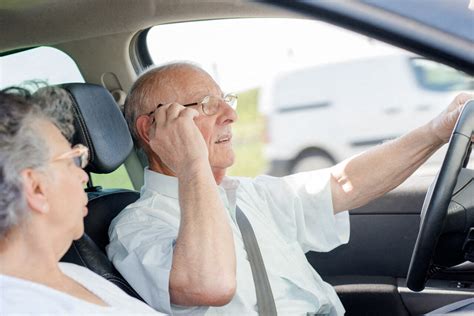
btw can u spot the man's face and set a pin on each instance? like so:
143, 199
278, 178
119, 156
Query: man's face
192, 85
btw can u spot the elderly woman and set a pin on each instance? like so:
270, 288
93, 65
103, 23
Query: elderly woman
42, 205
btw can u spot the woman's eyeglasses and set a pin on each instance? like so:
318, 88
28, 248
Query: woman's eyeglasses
79, 154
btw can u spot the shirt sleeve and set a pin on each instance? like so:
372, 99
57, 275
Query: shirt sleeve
141, 248
302, 203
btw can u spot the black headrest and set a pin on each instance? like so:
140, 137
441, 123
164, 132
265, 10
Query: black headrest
100, 126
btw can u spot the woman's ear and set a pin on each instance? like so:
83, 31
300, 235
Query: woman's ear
34, 189
142, 125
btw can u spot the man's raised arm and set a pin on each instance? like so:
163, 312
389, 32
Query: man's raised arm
204, 267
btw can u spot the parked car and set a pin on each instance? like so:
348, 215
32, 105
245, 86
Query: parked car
339, 109
106, 43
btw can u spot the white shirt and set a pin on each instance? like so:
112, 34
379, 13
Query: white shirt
23, 297
290, 216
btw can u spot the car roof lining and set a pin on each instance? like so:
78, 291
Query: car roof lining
78, 20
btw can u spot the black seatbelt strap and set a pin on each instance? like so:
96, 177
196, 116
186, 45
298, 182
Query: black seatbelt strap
265, 301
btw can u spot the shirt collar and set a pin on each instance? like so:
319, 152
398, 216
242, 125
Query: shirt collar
168, 185
160, 183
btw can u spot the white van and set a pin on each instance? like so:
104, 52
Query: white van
375, 100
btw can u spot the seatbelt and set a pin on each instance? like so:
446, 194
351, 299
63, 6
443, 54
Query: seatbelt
265, 301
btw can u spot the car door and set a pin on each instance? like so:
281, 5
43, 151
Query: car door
369, 273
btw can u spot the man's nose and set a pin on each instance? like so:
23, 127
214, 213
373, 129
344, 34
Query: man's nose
227, 115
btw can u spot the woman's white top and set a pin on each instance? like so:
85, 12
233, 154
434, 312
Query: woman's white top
20, 297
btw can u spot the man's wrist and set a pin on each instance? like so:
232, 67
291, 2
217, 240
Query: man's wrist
194, 168
431, 135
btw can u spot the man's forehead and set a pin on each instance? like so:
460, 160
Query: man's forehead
190, 83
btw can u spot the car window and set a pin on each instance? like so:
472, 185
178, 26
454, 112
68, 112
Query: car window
310, 94
116, 179
45, 64
52, 66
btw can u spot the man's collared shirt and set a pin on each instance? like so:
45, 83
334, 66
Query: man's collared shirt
290, 216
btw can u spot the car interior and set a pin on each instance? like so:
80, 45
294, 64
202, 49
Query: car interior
108, 42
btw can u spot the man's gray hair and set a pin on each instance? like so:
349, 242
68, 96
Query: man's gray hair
142, 96
21, 143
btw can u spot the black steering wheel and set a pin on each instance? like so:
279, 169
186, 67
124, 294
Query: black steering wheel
438, 198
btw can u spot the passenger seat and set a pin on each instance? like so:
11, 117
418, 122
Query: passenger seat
100, 126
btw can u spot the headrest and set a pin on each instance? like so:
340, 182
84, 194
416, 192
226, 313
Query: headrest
100, 126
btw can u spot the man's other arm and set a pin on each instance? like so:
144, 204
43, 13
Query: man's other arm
365, 177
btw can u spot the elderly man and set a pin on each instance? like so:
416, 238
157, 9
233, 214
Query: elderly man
180, 245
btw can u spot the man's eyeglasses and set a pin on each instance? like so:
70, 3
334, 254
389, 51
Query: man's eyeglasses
79, 154
209, 104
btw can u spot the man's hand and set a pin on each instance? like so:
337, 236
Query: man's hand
443, 125
175, 138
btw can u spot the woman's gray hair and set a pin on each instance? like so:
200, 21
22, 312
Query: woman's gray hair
142, 96
21, 143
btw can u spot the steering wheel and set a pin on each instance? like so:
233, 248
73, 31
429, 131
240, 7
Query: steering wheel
438, 197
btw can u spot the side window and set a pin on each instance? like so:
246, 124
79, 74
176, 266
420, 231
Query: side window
42, 63
310, 94
52, 66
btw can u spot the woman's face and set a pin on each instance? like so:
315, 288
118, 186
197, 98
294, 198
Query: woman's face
64, 189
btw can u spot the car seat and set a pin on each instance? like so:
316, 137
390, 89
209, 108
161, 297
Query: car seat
100, 126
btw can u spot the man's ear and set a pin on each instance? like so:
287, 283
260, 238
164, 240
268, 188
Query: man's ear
34, 189
142, 125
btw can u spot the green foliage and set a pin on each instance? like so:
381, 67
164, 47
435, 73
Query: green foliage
117, 179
